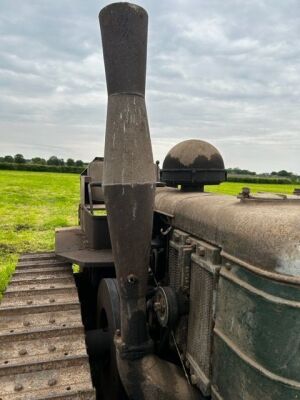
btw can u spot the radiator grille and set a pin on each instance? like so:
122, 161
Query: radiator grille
201, 318
174, 269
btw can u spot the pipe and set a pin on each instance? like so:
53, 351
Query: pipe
129, 187
129, 174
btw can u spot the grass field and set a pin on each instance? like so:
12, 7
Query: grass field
33, 204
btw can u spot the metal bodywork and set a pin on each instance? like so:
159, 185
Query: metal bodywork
244, 276
193, 164
85, 245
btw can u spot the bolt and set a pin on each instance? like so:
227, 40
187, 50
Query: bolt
22, 352
26, 323
228, 265
118, 332
51, 348
51, 300
194, 379
201, 251
157, 306
18, 387
188, 241
131, 278
52, 382
52, 320
29, 301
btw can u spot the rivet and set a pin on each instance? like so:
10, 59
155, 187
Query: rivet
51, 300
22, 352
51, 348
188, 241
18, 387
29, 301
52, 382
52, 320
118, 332
26, 323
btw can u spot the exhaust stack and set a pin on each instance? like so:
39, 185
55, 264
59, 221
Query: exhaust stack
129, 187
129, 175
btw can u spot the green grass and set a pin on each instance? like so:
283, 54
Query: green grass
33, 204
234, 188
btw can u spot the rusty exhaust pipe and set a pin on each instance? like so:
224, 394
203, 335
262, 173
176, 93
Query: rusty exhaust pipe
129, 187
128, 177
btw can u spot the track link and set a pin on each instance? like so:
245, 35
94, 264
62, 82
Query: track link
42, 343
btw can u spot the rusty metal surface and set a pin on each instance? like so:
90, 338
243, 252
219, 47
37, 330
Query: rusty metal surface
192, 164
42, 344
193, 154
71, 244
263, 234
129, 173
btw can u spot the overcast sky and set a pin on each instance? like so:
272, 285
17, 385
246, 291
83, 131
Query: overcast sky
226, 71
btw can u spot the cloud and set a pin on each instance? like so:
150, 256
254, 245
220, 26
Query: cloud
226, 72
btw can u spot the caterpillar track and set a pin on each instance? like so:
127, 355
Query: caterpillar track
42, 343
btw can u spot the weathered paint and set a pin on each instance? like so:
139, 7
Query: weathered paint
256, 338
265, 234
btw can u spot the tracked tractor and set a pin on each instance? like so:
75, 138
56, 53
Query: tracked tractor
178, 293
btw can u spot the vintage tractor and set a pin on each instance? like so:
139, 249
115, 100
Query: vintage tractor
183, 294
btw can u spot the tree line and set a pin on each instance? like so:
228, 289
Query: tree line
53, 160
282, 173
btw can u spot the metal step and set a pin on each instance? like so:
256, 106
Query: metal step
42, 343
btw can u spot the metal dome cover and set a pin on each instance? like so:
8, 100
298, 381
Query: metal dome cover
193, 163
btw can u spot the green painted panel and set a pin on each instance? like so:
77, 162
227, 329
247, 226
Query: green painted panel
262, 330
235, 379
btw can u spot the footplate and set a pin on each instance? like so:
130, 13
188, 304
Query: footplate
42, 344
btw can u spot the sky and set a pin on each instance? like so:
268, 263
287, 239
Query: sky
227, 72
